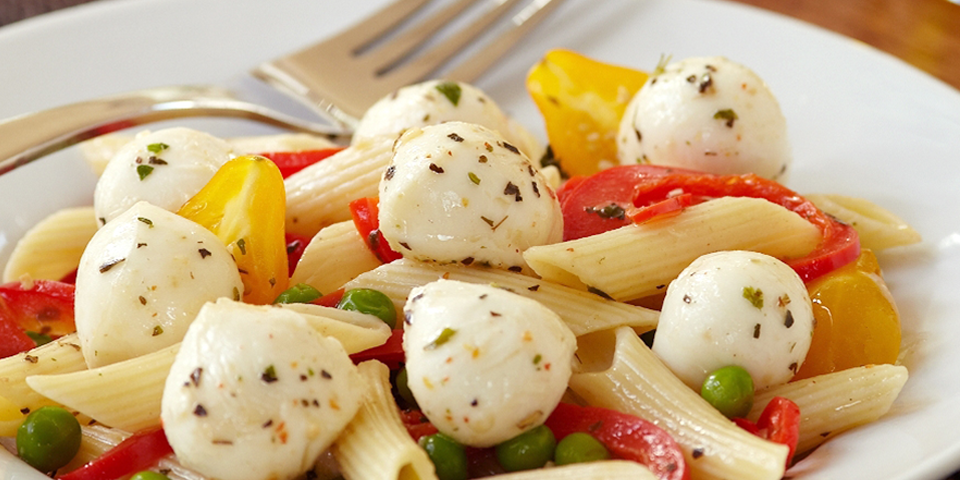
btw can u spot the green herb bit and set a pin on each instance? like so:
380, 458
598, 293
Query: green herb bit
158, 330
474, 178
144, 171
39, 338
444, 337
661, 65
269, 374
242, 245
727, 114
146, 220
451, 90
754, 296
157, 147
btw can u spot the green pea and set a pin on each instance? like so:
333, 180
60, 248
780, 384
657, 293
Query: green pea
149, 475
373, 302
299, 293
729, 390
580, 447
48, 438
529, 450
403, 389
448, 457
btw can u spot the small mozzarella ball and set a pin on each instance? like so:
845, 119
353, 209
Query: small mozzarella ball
459, 192
434, 102
735, 308
484, 364
142, 279
255, 393
165, 168
706, 114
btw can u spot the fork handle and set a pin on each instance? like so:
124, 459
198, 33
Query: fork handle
28, 137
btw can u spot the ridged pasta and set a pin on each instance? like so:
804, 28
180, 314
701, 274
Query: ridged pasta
836, 402
878, 228
636, 382
52, 248
376, 445
356, 331
333, 257
124, 395
639, 260
59, 356
583, 312
319, 195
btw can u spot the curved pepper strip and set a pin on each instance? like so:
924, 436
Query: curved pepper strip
43, 308
840, 244
779, 422
244, 205
136, 453
625, 436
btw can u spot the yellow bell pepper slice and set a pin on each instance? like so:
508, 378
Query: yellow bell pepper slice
244, 205
582, 101
857, 322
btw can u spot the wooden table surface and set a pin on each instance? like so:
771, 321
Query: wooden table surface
923, 33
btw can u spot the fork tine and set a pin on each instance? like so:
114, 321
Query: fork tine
387, 56
377, 24
429, 61
526, 20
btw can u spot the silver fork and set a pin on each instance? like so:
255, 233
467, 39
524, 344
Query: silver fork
338, 78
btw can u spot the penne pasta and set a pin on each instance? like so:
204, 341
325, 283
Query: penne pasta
319, 195
333, 257
376, 444
600, 470
583, 312
124, 395
834, 403
878, 228
59, 356
356, 331
639, 260
635, 381
52, 248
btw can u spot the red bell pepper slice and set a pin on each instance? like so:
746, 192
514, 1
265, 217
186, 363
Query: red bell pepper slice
296, 244
669, 207
417, 424
646, 186
626, 436
364, 212
331, 299
45, 307
292, 162
138, 452
390, 353
779, 422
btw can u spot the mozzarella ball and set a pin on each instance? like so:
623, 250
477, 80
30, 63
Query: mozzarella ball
255, 393
706, 114
142, 279
165, 168
459, 192
434, 102
484, 364
735, 308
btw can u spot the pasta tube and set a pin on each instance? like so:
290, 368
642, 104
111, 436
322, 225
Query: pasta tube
878, 228
836, 402
583, 312
320, 194
636, 382
335, 255
376, 444
52, 248
639, 260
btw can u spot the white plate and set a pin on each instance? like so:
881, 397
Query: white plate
862, 123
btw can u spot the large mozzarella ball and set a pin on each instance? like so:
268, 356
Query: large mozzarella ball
458, 192
735, 308
142, 279
255, 393
483, 363
436, 101
707, 114
165, 168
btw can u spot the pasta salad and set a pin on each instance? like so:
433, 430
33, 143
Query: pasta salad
445, 298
